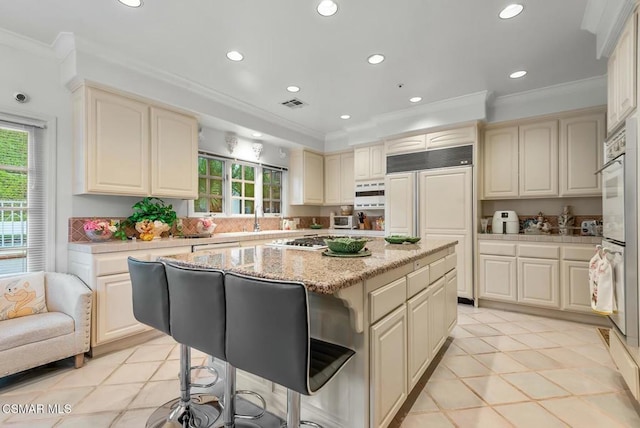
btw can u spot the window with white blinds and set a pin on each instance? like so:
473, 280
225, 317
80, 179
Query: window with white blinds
23, 218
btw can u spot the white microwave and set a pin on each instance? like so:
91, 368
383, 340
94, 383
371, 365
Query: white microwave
344, 222
369, 195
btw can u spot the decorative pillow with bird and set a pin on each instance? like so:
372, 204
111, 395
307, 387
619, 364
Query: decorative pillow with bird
22, 295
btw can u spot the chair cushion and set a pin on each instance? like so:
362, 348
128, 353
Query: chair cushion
326, 360
22, 295
36, 328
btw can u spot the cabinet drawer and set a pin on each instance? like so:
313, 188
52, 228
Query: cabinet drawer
385, 299
627, 367
109, 264
417, 281
578, 253
497, 248
539, 251
437, 270
450, 262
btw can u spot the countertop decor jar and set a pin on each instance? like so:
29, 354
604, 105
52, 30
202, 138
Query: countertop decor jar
99, 230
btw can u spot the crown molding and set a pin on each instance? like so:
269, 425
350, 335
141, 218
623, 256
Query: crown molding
605, 19
23, 43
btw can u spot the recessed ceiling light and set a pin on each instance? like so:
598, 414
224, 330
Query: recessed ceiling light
131, 3
257, 134
517, 74
293, 88
511, 11
415, 99
345, 117
375, 59
327, 8
235, 56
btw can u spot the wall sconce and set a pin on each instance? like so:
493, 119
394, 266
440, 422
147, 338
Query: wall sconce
257, 149
282, 153
232, 142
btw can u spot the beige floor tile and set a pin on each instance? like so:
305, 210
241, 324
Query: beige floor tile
567, 357
562, 339
36, 382
43, 423
132, 373
85, 376
133, 418
156, 394
24, 398
619, 406
482, 417
474, 345
466, 320
169, 370
480, 330
112, 358
442, 372
534, 360
535, 385
150, 353
465, 366
508, 328
57, 398
514, 316
162, 340
605, 375
505, 343
494, 390
460, 333
431, 420
107, 398
424, 403
578, 413
534, 326
453, 350
487, 317
499, 362
596, 353
575, 382
453, 394
529, 415
589, 335
534, 340
97, 420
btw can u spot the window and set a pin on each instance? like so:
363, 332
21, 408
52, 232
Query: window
22, 200
233, 187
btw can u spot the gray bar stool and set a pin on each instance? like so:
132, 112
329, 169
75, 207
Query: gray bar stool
268, 335
198, 319
151, 306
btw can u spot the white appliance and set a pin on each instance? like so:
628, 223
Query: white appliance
505, 222
343, 222
430, 194
369, 195
620, 225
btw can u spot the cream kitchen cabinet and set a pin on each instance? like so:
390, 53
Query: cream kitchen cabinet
451, 300
621, 76
419, 351
538, 282
399, 195
538, 159
500, 163
497, 271
574, 277
581, 154
437, 316
451, 137
339, 182
124, 145
416, 143
306, 178
370, 162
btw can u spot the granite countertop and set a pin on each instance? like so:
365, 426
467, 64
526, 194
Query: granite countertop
319, 273
217, 238
540, 238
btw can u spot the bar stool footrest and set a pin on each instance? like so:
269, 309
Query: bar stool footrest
259, 397
212, 371
200, 415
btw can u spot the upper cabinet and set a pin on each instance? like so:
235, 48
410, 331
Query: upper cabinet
417, 143
370, 162
500, 163
538, 159
432, 140
339, 183
126, 146
306, 178
621, 76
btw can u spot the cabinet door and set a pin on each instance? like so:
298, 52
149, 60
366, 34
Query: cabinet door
538, 282
500, 163
575, 286
437, 315
115, 309
581, 155
117, 147
451, 298
347, 181
451, 137
497, 275
399, 210
361, 159
378, 162
174, 154
419, 350
313, 178
612, 91
405, 145
388, 366
626, 69
332, 185
538, 159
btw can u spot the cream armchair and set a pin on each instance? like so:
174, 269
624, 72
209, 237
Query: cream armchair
62, 332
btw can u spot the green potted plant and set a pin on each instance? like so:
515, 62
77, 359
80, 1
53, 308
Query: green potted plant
150, 218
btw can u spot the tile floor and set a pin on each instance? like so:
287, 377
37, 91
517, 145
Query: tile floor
501, 369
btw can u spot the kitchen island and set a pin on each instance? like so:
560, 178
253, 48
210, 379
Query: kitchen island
395, 308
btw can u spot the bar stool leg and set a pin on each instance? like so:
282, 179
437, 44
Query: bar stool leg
293, 409
229, 409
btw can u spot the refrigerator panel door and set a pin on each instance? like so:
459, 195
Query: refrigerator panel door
613, 200
399, 212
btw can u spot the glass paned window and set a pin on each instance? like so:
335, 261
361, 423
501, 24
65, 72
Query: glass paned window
242, 188
271, 191
210, 186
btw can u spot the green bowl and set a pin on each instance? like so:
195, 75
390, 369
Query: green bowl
413, 239
316, 226
396, 239
345, 245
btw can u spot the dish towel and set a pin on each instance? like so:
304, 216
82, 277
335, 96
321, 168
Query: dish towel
601, 284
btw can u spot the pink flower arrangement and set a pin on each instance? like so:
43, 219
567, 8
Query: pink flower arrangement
205, 225
99, 229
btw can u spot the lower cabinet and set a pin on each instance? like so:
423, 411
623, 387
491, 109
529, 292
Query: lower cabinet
115, 306
538, 282
451, 297
498, 277
576, 295
418, 336
437, 309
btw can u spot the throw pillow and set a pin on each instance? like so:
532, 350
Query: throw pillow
22, 295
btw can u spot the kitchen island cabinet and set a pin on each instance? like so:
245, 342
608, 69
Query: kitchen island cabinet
395, 309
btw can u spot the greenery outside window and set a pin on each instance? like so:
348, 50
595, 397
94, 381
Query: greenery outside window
272, 191
211, 173
243, 188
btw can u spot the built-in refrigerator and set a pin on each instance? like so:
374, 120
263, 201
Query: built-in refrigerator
430, 194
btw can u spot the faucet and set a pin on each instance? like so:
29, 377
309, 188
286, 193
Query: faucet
256, 225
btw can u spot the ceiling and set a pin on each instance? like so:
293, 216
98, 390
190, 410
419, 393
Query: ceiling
435, 49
